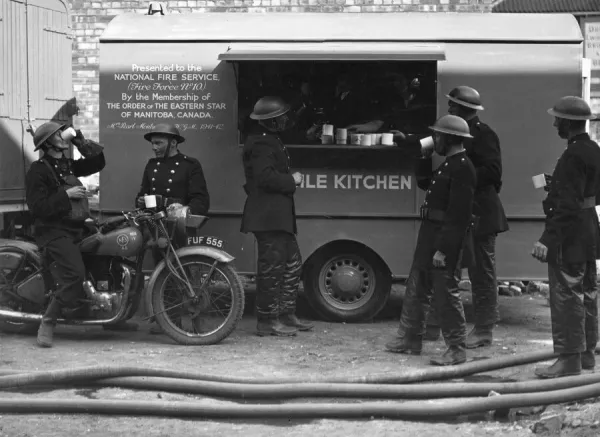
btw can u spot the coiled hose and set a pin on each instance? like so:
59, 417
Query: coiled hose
546, 392
417, 375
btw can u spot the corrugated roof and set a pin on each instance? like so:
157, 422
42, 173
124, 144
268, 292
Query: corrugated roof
310, 27
547, 6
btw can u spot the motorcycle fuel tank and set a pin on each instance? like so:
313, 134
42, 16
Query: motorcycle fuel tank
124, 242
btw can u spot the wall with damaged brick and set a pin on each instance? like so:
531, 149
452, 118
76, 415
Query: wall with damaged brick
90, 18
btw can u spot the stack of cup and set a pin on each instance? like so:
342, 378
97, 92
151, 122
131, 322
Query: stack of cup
341, 136
387, 139
327, 136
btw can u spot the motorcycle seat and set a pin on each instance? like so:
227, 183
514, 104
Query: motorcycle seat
90, 244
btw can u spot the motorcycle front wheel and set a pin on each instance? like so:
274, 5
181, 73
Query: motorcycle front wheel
212, 315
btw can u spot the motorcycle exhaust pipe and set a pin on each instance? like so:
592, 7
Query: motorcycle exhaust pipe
20, 317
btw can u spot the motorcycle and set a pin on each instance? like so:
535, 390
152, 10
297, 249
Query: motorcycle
194, 292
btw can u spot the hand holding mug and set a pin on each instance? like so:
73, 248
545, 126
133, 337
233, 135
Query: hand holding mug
298, 178
76, 192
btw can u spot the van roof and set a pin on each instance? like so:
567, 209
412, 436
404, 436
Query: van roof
308, 26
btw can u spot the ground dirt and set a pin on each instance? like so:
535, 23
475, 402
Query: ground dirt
331, 349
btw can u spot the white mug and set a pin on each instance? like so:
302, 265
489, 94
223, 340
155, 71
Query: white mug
387, 139
68, 134
539, 181
150, 201
328, 129
365, 140
426, 144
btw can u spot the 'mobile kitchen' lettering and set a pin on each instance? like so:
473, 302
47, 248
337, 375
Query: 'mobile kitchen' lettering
357, 182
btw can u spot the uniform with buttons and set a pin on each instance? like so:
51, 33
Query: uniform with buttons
446, 219
572, 237
179, 178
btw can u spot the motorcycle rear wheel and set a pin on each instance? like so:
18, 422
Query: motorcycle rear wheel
170, 316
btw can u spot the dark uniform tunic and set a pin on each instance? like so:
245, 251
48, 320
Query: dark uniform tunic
270, 214
49, 205
446, 215
572, 237
179, 178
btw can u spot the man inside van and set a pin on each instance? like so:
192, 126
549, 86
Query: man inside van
177, 177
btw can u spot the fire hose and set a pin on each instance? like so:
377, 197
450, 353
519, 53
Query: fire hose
518, 394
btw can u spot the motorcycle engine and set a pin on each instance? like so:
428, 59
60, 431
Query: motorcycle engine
104, 286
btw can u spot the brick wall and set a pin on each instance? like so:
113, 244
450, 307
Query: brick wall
90, 18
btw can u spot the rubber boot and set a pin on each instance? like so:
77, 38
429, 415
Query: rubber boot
45, 333
480, 336
432, 333
588, 360
405, 345
293, 321
123, 326
454, 355
565, 365
274, 327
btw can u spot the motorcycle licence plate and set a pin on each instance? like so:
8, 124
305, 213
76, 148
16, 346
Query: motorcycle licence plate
205, 241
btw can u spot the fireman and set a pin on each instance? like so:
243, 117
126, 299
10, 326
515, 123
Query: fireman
570, 243
178, 178
445, 230
269, 213
52, 185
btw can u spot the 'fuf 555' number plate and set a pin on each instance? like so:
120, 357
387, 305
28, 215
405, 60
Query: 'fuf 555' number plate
205, 241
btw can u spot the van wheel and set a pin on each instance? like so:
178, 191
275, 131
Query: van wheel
347, 283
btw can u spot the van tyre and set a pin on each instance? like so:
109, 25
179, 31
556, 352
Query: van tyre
346, 283
168, 320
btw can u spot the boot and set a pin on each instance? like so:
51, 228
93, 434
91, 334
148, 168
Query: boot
588, 360
122, 326
432, 333
405, 345
480, 336
456, 354
274, 327
45, 333
565, 365
293, 321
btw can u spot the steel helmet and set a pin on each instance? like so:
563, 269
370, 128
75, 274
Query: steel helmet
165, 129
269, 107
452, 125
465, 96
572, 108
44, 132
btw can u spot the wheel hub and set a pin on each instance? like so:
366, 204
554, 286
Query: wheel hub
346, 281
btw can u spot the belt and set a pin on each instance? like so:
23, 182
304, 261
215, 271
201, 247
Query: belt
433, 215
588, 202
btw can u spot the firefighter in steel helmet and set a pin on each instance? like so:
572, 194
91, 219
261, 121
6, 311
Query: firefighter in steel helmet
269, 213
445, 230
484, 152
52, 185
570, 243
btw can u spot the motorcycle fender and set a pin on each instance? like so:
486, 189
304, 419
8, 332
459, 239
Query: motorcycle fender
207, 251
22, 246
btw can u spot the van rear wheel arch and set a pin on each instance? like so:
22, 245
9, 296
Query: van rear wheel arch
346, 281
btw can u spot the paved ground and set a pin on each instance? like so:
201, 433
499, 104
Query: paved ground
331, 349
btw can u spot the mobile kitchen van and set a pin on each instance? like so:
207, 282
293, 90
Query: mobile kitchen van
358, 207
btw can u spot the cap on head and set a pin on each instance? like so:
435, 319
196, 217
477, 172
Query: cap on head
44, 132
466, 96
572, 108
269, 107
452, 125
165, 129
